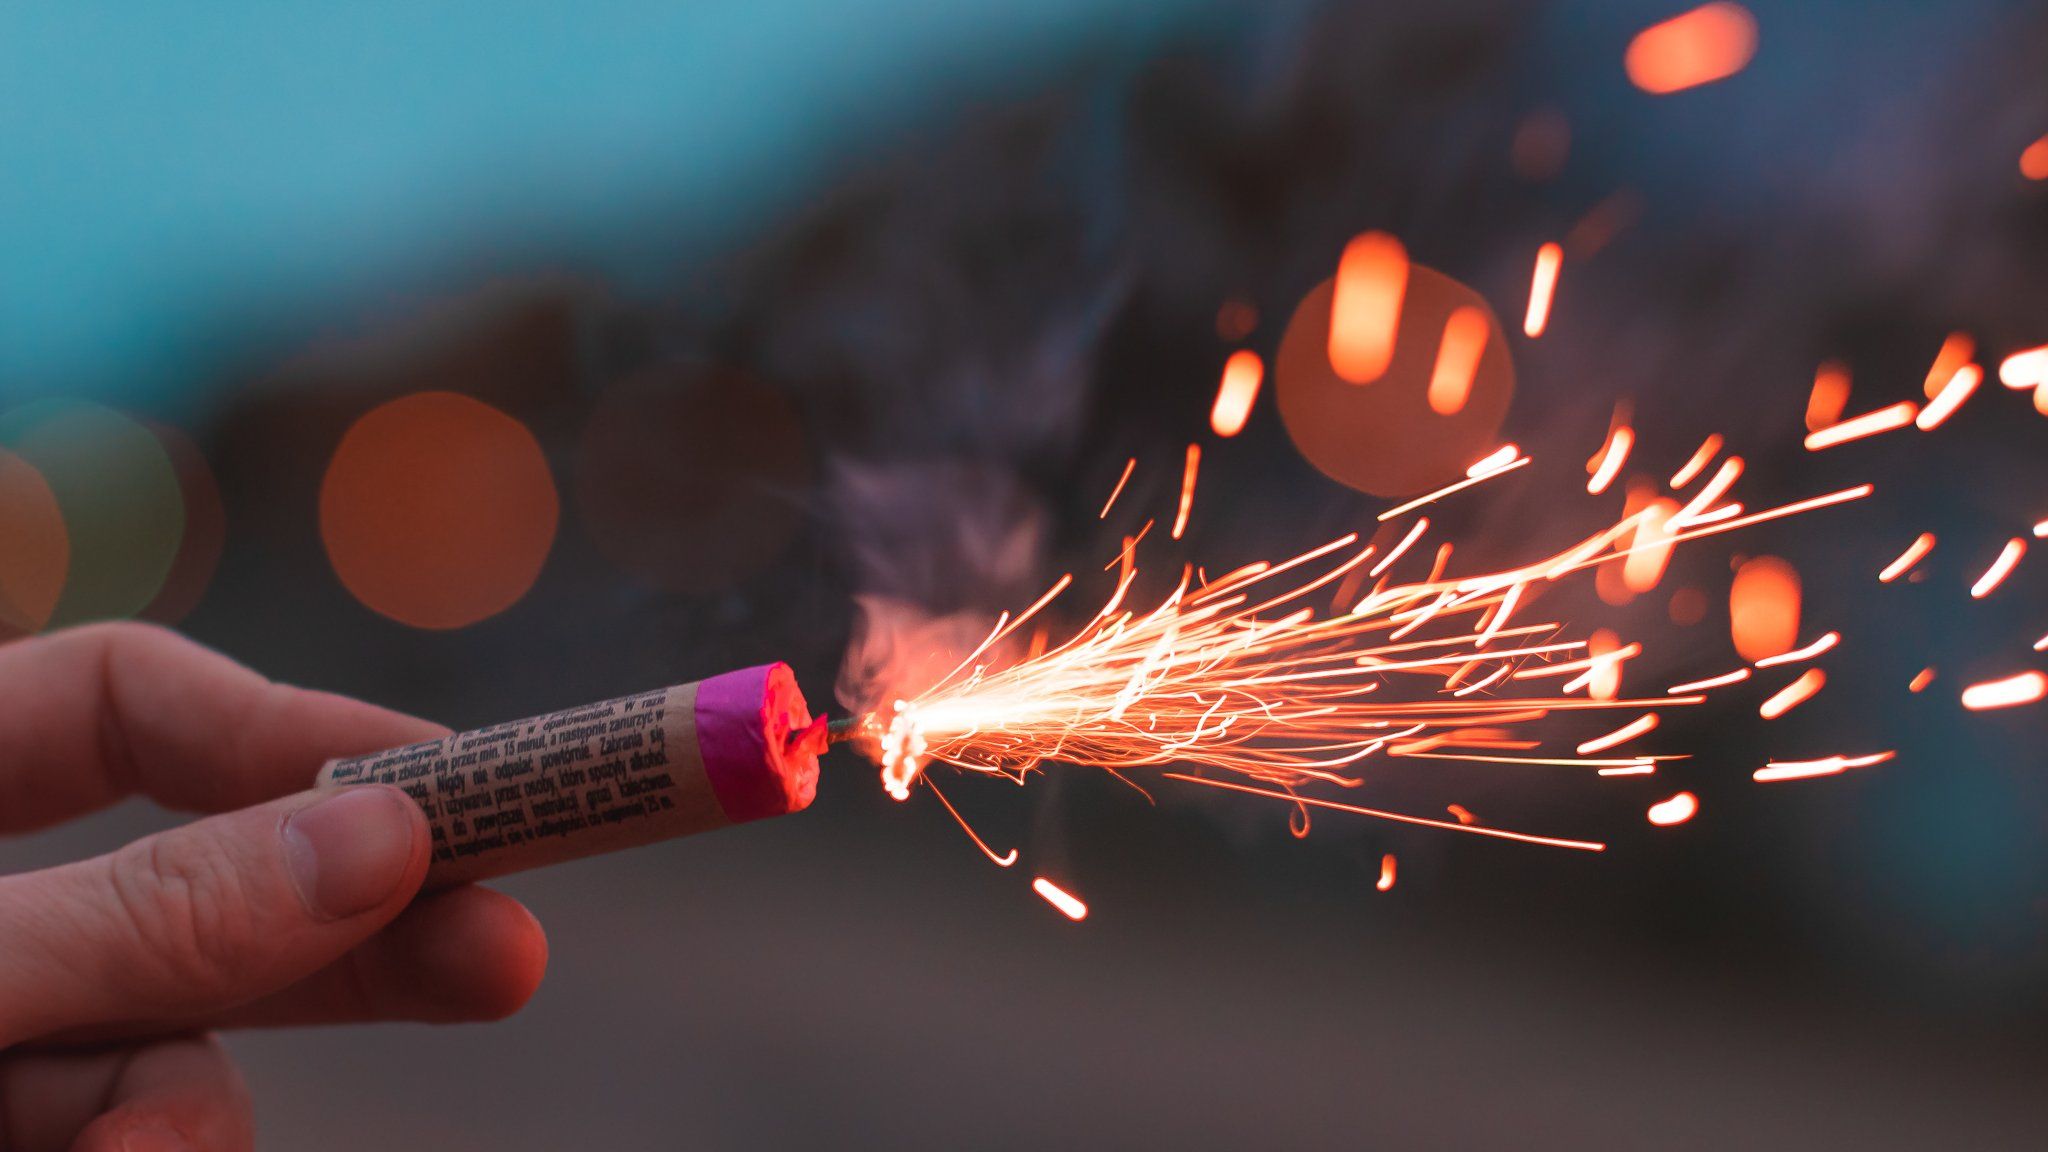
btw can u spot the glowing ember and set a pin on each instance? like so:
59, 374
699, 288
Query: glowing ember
2008, 559
1187, 490
1830, 396
1386, 880
1365, 306
1700, 459
1542, 287
1129, 467
1676, 810
1457, 360
1955, 352
1059, 898
1794, 694
1621, 735
1950, 397
1612, 457
1918, 549
1709, 43
2025, 688
1735, 677
2027, 369
1241, 376
1827, 641
1763, 608
1806, 769
1921, 680
1869, 424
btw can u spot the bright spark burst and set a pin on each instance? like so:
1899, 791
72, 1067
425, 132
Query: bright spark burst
1241, 679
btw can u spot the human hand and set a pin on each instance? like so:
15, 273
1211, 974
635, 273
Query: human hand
288, 907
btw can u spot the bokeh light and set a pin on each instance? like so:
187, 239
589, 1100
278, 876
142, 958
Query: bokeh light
1235, 395
438, 510
38, 550
1385, 439
205, 530
1709, 43
1365, 306
691, 480
2034, 160
118, 494
1763, 608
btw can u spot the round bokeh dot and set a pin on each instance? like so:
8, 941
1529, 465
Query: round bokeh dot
438, 510
117, 492
38, 549
1383, 438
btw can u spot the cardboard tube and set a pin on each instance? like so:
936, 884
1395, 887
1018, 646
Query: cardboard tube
626, 772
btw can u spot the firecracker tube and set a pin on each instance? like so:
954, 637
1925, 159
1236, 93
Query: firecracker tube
673, 762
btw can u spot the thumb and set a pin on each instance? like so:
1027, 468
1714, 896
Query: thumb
207, 916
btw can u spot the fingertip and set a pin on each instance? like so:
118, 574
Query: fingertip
473, 953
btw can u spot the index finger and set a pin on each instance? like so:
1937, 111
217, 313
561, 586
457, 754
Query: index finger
98, 713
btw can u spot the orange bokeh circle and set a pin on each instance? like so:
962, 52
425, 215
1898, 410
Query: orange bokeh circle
438, 510
1382, 437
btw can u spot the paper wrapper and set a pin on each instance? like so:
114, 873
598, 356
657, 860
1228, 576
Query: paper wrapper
631, 771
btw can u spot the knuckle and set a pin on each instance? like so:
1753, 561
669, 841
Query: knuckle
187, 904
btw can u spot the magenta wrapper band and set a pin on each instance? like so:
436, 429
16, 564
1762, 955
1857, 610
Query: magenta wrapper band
744, 723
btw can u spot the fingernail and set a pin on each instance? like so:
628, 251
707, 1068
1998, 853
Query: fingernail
348, 852
154, 1138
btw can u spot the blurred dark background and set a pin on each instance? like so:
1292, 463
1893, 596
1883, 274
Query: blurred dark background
771, 305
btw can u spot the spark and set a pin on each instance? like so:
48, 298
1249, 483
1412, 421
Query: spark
2024, 688
1709, 43
1619, 736
1630, 770
1701, 457
1060, 898
1794, 694
1869, 424
1365, 306
1735, 677
1763, 608
1187, 490
1457, 360
1955, 352
1414, 533
1003, 861
1776, 770
1542, 287
1499, 460
1386, 880
1234, 397
2041, 529
1476, 476
1950, 398
1827, 641
1676, 810
1921, 680
1611, 458
1461, 813
1397, 817
1829, 396
1914, 553
1239, 675
1130, 466
2041, 645
2008, 558
2028, 369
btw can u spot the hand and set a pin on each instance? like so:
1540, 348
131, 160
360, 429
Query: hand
289, 907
